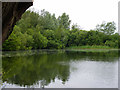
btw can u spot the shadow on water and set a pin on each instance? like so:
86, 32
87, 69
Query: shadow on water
27, 68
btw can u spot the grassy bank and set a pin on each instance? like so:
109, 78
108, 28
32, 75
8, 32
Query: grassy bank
90, 47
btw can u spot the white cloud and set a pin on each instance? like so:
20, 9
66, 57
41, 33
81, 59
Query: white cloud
86, 13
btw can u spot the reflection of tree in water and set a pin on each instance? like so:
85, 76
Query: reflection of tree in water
28, 70
94, 56
44, 68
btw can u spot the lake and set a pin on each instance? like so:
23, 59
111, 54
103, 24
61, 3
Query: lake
60, 69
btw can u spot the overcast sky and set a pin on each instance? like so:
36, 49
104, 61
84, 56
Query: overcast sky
86, 13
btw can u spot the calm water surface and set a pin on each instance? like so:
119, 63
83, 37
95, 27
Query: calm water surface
61, 69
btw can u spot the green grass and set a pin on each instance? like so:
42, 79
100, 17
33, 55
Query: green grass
90, 47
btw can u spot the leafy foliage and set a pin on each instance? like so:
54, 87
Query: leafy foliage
45, 31
107, 28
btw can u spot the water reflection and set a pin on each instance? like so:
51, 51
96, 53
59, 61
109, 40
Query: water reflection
73, 68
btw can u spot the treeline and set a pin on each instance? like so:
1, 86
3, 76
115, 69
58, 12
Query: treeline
44, 31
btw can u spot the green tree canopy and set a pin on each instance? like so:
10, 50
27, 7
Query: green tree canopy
64, 21
106, 27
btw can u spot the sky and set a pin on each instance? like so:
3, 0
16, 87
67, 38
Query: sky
85, 13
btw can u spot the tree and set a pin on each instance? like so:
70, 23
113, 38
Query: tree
48, 21
45, 31
40, 41
75, 26
64, 21
107, 28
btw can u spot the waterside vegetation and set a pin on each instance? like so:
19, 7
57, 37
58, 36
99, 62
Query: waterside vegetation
44, 31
